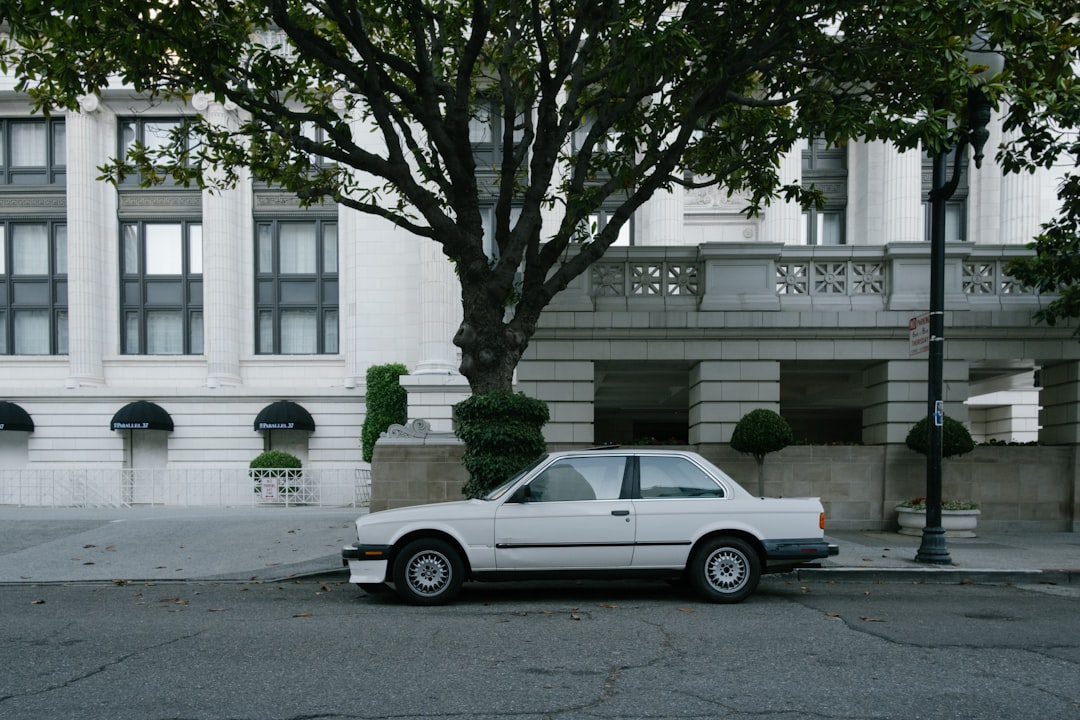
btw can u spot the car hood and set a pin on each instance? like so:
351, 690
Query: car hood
457, 510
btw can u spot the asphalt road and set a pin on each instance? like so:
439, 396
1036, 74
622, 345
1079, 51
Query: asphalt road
319, 648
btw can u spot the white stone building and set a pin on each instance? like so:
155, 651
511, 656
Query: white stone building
212, 307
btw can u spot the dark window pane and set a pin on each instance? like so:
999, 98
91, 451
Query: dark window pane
164, 293
31, 293
300, 292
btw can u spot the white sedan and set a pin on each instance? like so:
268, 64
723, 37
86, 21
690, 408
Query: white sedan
606, 513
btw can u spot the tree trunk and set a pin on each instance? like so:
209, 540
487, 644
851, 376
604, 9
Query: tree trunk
490, 351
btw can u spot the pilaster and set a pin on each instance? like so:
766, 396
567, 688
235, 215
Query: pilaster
722, 391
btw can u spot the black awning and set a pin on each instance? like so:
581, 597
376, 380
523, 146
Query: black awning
141, 415
284, 415
13, 417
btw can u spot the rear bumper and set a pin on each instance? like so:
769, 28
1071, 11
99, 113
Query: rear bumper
797, 550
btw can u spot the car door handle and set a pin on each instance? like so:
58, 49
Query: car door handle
620, 513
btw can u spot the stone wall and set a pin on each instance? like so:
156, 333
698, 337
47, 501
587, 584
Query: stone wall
1033, 488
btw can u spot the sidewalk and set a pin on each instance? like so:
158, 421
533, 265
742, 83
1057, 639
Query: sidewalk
268, 544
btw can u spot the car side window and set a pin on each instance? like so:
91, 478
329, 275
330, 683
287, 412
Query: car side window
579, 478
675, 477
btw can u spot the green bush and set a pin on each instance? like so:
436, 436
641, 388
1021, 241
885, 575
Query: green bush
264, 463
387, 404
955, 438
502, 434
275, 460
761, 432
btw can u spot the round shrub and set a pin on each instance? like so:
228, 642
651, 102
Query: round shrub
955, 438
761, 432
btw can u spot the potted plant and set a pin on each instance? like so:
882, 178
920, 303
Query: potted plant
958, 517
277, 476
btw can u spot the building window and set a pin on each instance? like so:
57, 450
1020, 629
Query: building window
598, 220
296, 287
955, 207
486, 136
33, 278
824, 167
161, 288
33, 152
152, 134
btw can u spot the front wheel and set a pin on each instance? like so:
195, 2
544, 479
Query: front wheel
428, 571
725, 570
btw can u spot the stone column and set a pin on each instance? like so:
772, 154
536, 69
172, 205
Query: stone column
722, 391
902, 211
90, 213
895, 397
782, 220
1021, 208
569, 389
1060, 397
223, 239
661, 219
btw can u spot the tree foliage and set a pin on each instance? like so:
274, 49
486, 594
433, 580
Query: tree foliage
376, 104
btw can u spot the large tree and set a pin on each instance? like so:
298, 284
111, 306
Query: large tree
592, 103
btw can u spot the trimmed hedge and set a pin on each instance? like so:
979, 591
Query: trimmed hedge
387, 404
955, 438
275, 460
502, 434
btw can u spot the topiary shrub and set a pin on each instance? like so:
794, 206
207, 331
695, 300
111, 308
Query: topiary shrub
387, 404
759, 433
502, 434
269, 464
955, 438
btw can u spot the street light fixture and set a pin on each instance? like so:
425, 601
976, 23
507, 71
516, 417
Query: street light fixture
932, 548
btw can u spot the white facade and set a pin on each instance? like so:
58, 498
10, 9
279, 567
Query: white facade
708, 315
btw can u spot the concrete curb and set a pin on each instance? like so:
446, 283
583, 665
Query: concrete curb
944, 575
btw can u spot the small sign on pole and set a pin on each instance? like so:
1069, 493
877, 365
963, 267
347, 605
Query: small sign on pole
939, 413
919, 334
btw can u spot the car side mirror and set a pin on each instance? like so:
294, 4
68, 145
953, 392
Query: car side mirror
521, 495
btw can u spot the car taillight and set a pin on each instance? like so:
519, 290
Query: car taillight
821, 521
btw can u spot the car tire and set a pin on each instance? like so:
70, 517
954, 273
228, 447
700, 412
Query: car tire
428, 571
724, 570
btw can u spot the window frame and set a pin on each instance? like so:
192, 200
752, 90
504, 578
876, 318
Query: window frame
956, 206
137, 287
133, 179
819, 169
52, 173
17, 291
272, 288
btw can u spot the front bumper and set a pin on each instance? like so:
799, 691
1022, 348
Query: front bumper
366, 563
799, 550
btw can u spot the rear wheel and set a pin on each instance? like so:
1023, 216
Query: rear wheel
428, 571
724, 570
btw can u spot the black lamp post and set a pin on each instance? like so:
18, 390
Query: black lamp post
932, 548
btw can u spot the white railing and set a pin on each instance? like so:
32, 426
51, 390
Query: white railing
202, 487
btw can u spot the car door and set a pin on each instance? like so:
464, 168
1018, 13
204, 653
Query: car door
675, 497
577, 514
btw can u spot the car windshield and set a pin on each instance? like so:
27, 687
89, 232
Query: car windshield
499, 491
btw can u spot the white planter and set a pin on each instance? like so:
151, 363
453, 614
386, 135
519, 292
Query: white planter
957, 523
